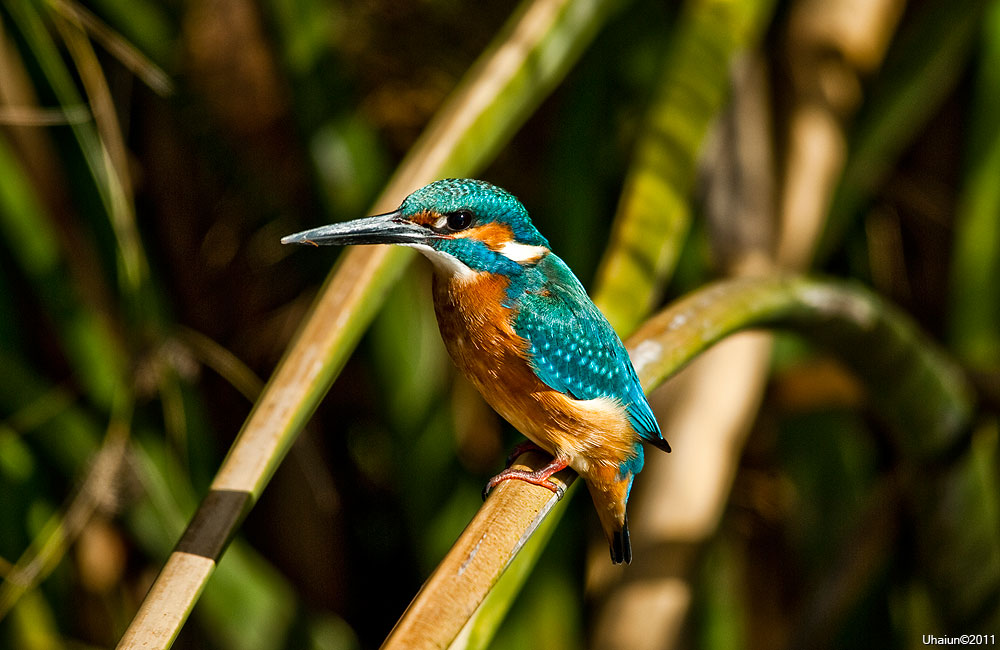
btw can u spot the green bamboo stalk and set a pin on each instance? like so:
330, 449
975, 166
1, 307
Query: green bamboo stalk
974, 316
919, 391
654, 211
527, 59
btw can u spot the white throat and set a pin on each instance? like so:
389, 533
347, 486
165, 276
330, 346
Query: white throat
444, 263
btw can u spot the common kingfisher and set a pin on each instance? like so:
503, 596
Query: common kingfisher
521, 327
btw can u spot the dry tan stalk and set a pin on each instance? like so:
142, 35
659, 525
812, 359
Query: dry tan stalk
833, 45
476, 560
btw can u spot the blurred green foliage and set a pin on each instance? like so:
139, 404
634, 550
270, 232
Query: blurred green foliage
288, 114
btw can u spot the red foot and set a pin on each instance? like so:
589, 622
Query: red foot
538, 477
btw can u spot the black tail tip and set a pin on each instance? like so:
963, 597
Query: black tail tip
662, 444
621, 548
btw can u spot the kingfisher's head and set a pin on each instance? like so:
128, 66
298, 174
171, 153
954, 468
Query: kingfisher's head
464, 226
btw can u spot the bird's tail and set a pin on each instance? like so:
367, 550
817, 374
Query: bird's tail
621, 548
660, 442
609, 499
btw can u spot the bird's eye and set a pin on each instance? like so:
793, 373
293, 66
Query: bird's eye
459, 219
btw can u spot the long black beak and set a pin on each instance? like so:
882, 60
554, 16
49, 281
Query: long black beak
389, 228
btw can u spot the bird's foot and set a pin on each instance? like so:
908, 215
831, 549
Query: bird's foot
537, 477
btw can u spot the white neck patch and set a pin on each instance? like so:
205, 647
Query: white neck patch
522, 253
445, 263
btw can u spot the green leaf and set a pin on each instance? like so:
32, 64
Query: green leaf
974, 317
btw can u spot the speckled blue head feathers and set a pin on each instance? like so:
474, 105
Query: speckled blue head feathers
486, 203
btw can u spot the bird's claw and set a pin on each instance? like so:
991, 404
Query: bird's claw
508, 475
536, 477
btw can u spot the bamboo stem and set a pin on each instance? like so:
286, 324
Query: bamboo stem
475, 562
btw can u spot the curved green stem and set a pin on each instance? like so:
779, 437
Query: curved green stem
921, 394
913, 387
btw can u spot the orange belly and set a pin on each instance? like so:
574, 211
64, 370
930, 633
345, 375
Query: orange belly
594, 436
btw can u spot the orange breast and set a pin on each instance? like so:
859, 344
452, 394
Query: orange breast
593, 436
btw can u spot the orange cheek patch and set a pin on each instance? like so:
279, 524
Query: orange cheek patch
494, 235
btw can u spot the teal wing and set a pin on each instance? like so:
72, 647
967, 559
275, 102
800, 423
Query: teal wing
574, 350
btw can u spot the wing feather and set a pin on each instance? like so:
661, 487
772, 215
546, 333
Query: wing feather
574, 350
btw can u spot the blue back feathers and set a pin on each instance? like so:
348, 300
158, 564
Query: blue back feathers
573, 348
